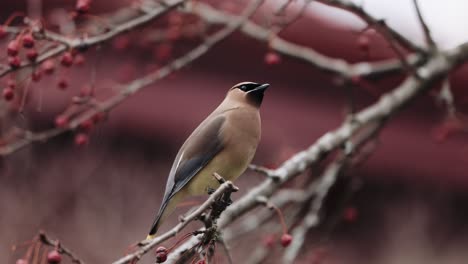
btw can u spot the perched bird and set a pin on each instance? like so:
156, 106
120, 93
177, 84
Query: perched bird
225, 143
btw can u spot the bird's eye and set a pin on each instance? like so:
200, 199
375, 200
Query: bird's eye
243, 88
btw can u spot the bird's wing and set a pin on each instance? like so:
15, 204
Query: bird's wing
199, 149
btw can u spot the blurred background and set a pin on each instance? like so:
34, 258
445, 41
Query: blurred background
410, 203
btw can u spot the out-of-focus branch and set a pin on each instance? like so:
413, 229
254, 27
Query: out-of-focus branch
148, 245
437, 66
306, 54
427, 32
134, 86
82, 43
379, 24
323, 186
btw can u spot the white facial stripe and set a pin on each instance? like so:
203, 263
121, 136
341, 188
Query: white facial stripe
239, 84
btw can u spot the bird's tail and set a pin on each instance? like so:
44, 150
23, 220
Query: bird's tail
167, 207
157, 221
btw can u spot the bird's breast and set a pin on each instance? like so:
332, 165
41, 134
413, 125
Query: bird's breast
241, 134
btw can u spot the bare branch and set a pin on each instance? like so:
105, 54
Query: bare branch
379, 24
60, 248
148, 245
435, 68
134, 86
82, 43
427, 32
306, 54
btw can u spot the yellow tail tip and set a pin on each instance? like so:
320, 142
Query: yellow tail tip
150, 237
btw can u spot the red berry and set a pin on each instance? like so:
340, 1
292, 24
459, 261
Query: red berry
161, 250
11, 83
36, 76
161, 257
87, 125
175, 19
8, 94
121, 43
61, 121
86, 90
79, 59
286, 240
272, 58
54, 257
22, 261
163, 52
201, 261
98, 117
14, 62
173, 33
82, 6
63, 84
269, 241
67, 59
3, 32
13, 48
28, 41
32, 55
81, 139
363, 43
48, 66
350, 214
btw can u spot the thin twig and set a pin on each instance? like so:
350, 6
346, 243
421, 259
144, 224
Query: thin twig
61, 249
380, 24
427, 32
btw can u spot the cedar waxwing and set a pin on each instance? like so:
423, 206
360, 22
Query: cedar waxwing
225, 143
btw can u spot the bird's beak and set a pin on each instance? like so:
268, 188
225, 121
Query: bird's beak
259, 89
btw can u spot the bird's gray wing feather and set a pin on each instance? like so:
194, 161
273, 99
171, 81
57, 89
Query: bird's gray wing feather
198, 150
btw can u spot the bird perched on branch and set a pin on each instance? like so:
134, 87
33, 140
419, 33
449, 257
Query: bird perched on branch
224, 143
